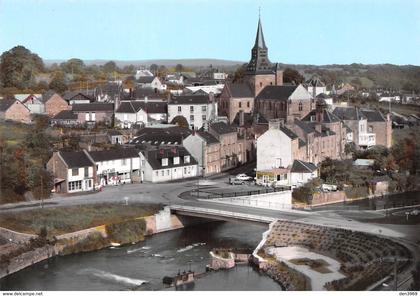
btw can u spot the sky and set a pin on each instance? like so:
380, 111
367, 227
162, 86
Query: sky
296, 31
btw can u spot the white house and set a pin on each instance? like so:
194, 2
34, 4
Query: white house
160, 164
143, 73
196, 109
302, 172
315, 86
116, 166
277, 147
143, 113
151, 82
33, 102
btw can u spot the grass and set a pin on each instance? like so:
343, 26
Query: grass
13, 133
62, 220
318, 265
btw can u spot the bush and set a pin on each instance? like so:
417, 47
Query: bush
127, 232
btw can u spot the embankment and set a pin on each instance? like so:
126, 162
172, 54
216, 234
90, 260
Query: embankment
24, 250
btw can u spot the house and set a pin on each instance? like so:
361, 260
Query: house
115, 137
278, 147
234, 98
160, 164
53, 103
150, 82
34, 103
232, 150
77, 97
141, 113
315, 86
72, 171
273, 177
168, 135
379, 125
197, 110
285, 101
302, 172
116, 166
14, 110
205, 148
346, 87
65, 118
143, 73
94, 112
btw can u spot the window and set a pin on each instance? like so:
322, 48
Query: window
123, 161
167, 172
164, 161
75, 172
75, 185
191, 109
162, 173
185, 171
204, 117
176, 160
191, 118
179, 109
300, 106
157, 173
86, 172
204, 108
186, 159
143, 162
247, 104
240, 104
370, 129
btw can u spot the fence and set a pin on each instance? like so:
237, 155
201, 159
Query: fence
212, 195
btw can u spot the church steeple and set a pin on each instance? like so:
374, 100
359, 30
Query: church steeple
259, 62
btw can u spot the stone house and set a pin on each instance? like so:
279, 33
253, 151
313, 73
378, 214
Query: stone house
14, 110
72, 171
94, 112
65, 118
235, 98
205, 148
287, 102
53, 103
379, 125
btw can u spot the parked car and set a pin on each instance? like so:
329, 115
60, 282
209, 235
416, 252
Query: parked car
244, 177
235, 181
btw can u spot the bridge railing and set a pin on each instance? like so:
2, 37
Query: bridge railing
257, 203
223, 213
212, 195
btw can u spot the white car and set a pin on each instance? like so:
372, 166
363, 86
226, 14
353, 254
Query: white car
243, 177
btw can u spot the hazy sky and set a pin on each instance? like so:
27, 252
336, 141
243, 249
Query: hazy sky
296, 31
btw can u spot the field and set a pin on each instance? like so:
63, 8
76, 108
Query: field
69, 219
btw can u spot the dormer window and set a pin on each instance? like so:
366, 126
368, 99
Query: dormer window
176, 160
186, 159
164, 162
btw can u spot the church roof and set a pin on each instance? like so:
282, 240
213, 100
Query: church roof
276, 92
259, 39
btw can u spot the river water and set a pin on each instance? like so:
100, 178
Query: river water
142, 266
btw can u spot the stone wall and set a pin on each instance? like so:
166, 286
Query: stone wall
14, 236
217, 262
324, 198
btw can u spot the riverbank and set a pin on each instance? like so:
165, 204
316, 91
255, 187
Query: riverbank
325, 258
20, 250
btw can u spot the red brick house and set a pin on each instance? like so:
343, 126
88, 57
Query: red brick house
12, 109
53, 103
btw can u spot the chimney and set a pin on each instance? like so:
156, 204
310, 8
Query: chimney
274, 124
241, 118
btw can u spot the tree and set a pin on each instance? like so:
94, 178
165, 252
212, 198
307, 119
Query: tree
154, 68
239, 73
110, 67
18, 67
58, 82
73, 66
179, 68
180, 121
292, 76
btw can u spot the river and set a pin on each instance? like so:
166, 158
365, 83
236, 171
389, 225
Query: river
143, 265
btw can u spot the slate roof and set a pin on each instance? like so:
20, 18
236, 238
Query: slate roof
327, 116
155, 155
141, 92
250, 119
276, 92
307, 128
161, 136
222, 128
346, 113
65, 115
113, 154
300, 166
373, 115
288, 132
145, 79
92, 107
149, 107
6, 104
76, 159
189, 100
47, 95
207, 137
239, 90
69, 95
322, 96
315, 81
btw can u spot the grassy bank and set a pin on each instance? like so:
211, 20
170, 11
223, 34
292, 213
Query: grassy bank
63, 220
